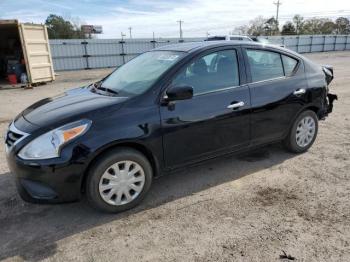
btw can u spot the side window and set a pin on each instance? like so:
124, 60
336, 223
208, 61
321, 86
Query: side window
210, 61
211, 72
264, 64
289, 64
236, 38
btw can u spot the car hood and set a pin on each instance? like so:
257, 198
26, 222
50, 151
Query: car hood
79, 102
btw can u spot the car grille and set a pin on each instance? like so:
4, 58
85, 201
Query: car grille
13, 136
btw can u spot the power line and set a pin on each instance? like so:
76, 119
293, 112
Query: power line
180, 24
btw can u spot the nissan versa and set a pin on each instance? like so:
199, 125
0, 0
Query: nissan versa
165, 109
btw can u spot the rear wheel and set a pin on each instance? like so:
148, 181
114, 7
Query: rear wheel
119, 180
303, 132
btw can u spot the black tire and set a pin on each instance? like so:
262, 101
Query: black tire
290, 141
102, 164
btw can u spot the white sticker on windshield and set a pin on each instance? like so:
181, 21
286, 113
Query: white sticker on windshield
165, 57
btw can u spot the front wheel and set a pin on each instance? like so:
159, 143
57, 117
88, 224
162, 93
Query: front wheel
119, 180
302, 133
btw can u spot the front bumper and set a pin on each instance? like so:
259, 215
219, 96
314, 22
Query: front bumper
53, 180
46, 182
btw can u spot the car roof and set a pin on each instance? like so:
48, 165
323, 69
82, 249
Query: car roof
191, 47
194, 46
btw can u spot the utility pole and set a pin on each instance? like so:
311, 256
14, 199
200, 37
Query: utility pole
122, 35
130, 28
180, 23
278, 3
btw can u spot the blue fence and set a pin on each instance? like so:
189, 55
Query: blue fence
103, 53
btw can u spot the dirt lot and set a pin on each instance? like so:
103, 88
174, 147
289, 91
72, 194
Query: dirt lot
242, 208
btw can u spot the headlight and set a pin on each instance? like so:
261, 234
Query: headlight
49, 144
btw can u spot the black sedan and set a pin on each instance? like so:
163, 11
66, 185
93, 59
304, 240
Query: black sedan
165, 109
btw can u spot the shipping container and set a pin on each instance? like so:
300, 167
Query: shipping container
24, 53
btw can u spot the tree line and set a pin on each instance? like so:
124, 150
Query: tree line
60, 28
297, 26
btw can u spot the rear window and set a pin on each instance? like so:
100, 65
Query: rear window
264, 65
289, 64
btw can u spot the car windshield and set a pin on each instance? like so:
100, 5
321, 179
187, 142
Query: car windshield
139, 74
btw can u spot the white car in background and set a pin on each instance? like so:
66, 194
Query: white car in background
242, 38
229, 38
266, 41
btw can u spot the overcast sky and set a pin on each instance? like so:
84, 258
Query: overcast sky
199, 16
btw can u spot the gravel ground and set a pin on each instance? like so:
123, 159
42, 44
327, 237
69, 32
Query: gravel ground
250, 207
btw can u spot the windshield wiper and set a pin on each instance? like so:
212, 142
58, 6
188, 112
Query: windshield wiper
106, 89
94, 85
98, 86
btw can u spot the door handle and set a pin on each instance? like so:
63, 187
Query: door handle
299, 92
236, 105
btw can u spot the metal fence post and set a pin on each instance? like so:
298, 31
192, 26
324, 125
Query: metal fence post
324, 43
153, 43
123, 52
335, 42
86, 55
312, 42
298, 42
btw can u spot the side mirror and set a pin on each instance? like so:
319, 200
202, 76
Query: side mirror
179, 93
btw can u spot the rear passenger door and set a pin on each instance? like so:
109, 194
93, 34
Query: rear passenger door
277, 85
216, 119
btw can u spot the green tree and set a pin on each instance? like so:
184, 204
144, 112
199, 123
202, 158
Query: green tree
342, 25
271, 26
257, 26
59, 28
327, 27
288, 29
311, 27
242, 30
298, 21
319, 26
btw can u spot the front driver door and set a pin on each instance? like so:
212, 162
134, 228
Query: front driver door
216, 119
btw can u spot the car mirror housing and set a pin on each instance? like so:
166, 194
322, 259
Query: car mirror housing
182, 92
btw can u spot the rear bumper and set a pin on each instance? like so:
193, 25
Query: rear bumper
330, 100
327, 107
